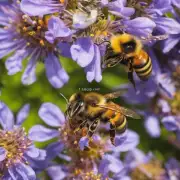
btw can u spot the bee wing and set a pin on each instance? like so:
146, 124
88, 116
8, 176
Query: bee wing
114, 95
124, 111
111, 59
129, 113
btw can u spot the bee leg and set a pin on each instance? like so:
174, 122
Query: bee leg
80, 126
130, 75
93, 127
112, 133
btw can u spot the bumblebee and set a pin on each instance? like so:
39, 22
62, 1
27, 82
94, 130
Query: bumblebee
128, 50
89, 109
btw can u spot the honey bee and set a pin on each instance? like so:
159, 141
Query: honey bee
128, 50
89, 109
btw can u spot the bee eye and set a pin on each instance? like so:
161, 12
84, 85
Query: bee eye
93, 104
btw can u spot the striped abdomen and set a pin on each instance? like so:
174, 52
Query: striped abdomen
114, 117
142, 65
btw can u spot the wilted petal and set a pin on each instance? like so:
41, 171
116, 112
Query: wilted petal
39, 7
81, 20
127, 141
41, 133
3, 154
51, 115
82, 51
22, 114
84, 142
56, 29
56, 172
6, 117
170, 123
152, 126
56, 75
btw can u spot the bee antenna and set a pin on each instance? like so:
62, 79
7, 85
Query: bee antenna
64, 97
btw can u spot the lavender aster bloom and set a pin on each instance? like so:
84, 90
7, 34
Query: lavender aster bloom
25, 36
87, 55
118, 8
16, 149
40, 7
173, 169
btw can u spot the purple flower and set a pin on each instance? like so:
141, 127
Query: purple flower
53, 117
152, 126
16, 149
137, 157
173, 168
57, 29
171, 123
19, 36
158, 8
140, 26
40, 8
118, 8
175, 3
87, 55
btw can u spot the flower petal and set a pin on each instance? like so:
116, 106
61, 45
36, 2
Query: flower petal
40, 133
64, 49
84, 142
170, 123
167, 25
22, 114
39, 7
124, 143
6, 117
29, 76
56, 29
14, 62
56, 75
140, 26
56, 172
54, 149
163, 104
93, 70
152, 126
51, 115
25, 171
35, 153
3, 154
82, 51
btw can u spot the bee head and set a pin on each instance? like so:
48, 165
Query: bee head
75, 105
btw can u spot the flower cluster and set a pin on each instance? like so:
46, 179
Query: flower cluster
44, 31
